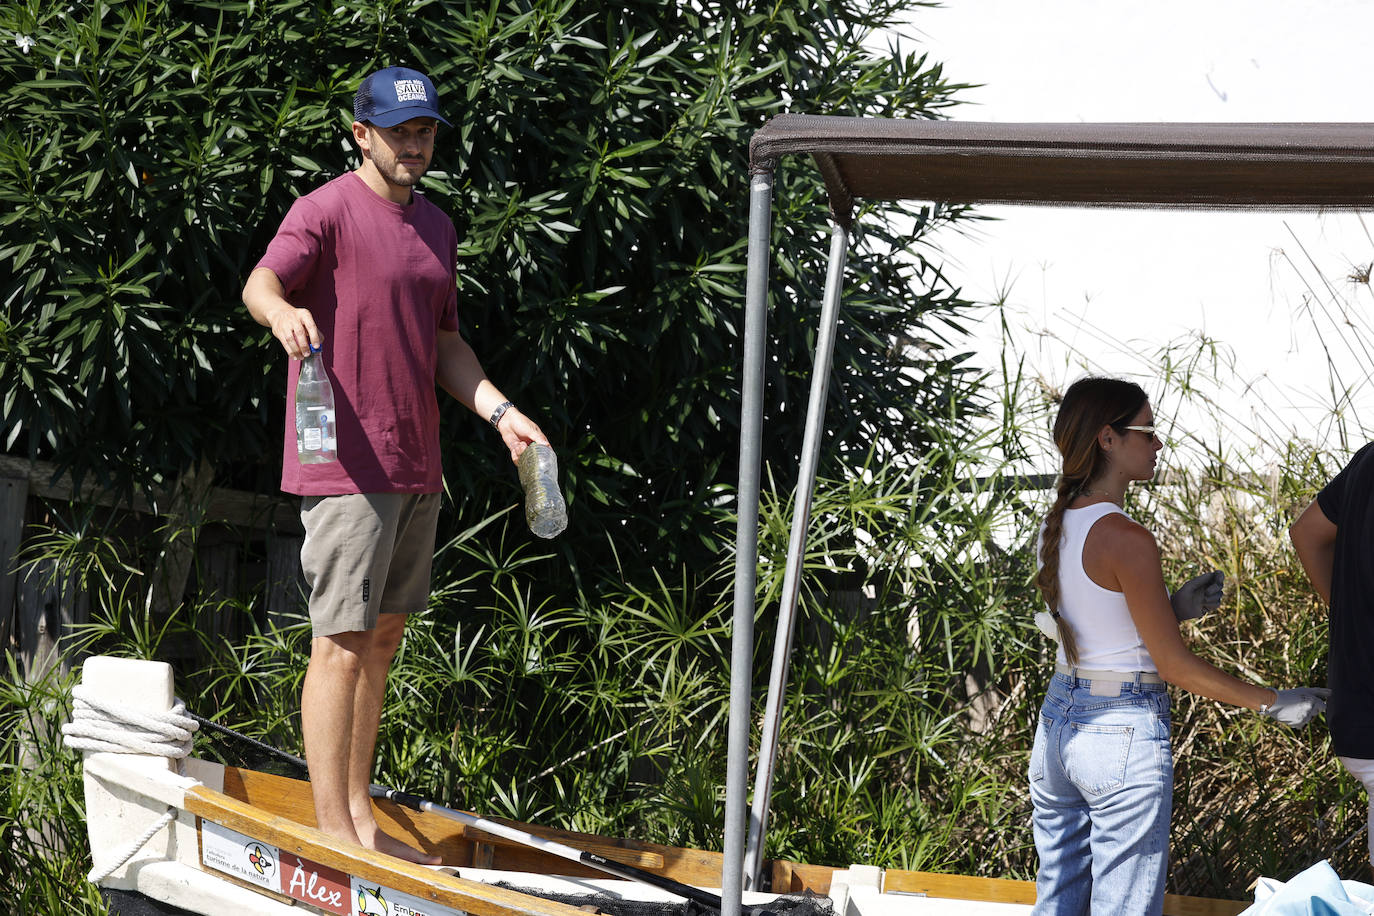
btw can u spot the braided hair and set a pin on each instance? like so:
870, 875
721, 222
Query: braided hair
1089, 404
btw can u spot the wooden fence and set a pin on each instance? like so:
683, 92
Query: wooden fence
215, 543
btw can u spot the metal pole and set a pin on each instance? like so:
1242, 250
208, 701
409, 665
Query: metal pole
746, 540
796, 548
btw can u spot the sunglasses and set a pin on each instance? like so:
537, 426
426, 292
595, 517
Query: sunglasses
1147, 430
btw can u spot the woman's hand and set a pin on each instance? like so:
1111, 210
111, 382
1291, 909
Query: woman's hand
1297, 706
1198, 596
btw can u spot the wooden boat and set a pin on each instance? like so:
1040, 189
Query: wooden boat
221, 840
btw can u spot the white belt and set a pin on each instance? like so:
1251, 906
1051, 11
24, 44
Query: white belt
1108, 683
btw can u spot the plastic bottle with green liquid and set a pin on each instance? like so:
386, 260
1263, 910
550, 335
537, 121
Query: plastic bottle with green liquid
545, 511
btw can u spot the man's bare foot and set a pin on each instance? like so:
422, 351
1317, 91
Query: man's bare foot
372, 837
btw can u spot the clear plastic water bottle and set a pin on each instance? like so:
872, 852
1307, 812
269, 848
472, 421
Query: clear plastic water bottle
545, 511
315, 442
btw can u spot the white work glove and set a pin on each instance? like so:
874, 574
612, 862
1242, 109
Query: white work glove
1297, 706
1044, 620
1198, 595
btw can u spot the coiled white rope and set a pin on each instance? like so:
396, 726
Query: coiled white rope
102, 726
99, 725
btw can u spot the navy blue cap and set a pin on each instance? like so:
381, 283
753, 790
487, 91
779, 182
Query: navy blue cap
396, 94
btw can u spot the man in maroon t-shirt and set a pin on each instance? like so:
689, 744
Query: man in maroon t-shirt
364, 269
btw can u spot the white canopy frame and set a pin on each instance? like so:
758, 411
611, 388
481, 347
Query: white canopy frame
1198, 166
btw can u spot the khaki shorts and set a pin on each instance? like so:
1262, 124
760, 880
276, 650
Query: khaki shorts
367, 554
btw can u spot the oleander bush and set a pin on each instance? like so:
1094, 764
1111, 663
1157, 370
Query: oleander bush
597, 171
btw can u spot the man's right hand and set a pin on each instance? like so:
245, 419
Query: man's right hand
296, 330
266, 300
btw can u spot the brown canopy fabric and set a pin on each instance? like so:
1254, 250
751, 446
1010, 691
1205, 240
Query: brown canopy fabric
1207, 166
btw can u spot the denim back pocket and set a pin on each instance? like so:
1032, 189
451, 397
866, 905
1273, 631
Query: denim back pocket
1095, 756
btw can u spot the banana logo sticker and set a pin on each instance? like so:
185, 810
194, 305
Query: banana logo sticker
371, 902
377, 900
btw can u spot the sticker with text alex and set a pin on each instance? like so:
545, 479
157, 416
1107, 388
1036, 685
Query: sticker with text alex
316, 884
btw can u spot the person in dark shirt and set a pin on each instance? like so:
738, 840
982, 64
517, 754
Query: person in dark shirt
1334, 539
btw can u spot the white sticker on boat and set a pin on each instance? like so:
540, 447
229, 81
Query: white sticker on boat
241, 856
373, 900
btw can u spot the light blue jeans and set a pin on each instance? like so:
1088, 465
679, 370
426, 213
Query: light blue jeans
1102, 787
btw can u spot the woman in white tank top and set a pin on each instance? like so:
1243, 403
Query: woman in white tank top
1101, 770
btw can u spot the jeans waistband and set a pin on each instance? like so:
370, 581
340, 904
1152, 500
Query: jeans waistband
1121, 677
1108, 683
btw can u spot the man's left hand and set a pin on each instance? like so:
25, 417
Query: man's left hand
518, 431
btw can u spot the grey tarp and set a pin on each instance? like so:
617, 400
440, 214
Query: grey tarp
1158, 165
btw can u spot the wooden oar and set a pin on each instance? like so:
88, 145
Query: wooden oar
619, 869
